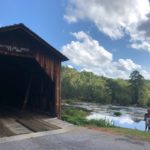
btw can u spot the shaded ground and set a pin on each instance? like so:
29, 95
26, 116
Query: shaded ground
4, 131
77, 139
17, 123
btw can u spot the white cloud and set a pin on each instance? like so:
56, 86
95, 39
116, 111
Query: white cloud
112, 18
115, 19
141, 45
70, 66
127, 65
86, 50
89, 55
140, 35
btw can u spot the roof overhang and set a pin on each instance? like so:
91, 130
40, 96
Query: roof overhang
38, 39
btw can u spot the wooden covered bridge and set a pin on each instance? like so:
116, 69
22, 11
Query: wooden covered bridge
29, 71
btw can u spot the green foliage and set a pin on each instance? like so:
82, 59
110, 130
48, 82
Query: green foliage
137, 86
74, 116
78, 117
99, 123
69, 101
120, 93
148, 103
86, 86
117, 113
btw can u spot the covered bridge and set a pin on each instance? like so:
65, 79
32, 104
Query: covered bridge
29, 71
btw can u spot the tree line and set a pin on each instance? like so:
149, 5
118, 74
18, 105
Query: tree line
86, 86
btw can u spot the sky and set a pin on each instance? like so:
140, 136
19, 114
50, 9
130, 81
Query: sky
108, 38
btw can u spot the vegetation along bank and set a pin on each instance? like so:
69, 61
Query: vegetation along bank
88, 87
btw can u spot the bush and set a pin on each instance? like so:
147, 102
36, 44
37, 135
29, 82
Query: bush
117, 113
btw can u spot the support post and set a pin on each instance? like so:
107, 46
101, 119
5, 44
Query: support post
27, 94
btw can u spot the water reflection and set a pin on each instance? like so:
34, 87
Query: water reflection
124, 121
132, 117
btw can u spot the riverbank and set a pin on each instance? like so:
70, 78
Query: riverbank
134, 134
131, 117
78, 117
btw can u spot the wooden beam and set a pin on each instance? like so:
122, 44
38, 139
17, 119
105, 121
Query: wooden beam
27, 94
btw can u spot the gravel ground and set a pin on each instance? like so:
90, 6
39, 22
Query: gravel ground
77, 139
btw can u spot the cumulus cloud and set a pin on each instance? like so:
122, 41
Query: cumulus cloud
127, 65
112, 18
115, 19
140, 35
70, 66
87, 48
90, 55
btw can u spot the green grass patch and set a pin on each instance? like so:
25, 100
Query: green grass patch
117, 113
74, 116
132, 133
99, 123
69, 101
78, 117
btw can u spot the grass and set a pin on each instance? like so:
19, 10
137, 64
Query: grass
99, 123
69, 101
78, 117
131, 133
74, 116
117, 113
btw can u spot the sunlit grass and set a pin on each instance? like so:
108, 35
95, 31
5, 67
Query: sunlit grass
132, 133
78, 117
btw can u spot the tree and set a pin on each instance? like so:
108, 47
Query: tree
89, 87
84, 86
120, 93
137, 85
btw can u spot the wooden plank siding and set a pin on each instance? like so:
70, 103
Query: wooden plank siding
52, 67
20, 41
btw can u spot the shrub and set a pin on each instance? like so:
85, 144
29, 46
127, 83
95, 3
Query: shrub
117, 113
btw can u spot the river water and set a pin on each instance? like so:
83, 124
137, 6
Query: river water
131, 117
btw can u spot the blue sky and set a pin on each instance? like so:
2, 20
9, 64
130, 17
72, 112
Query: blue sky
109, 40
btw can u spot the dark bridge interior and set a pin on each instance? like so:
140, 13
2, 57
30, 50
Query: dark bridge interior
25, 86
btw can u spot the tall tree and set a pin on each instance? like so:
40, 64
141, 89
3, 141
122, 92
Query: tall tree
87, 86
137, 85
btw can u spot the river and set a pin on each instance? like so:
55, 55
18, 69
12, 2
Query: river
131, 117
